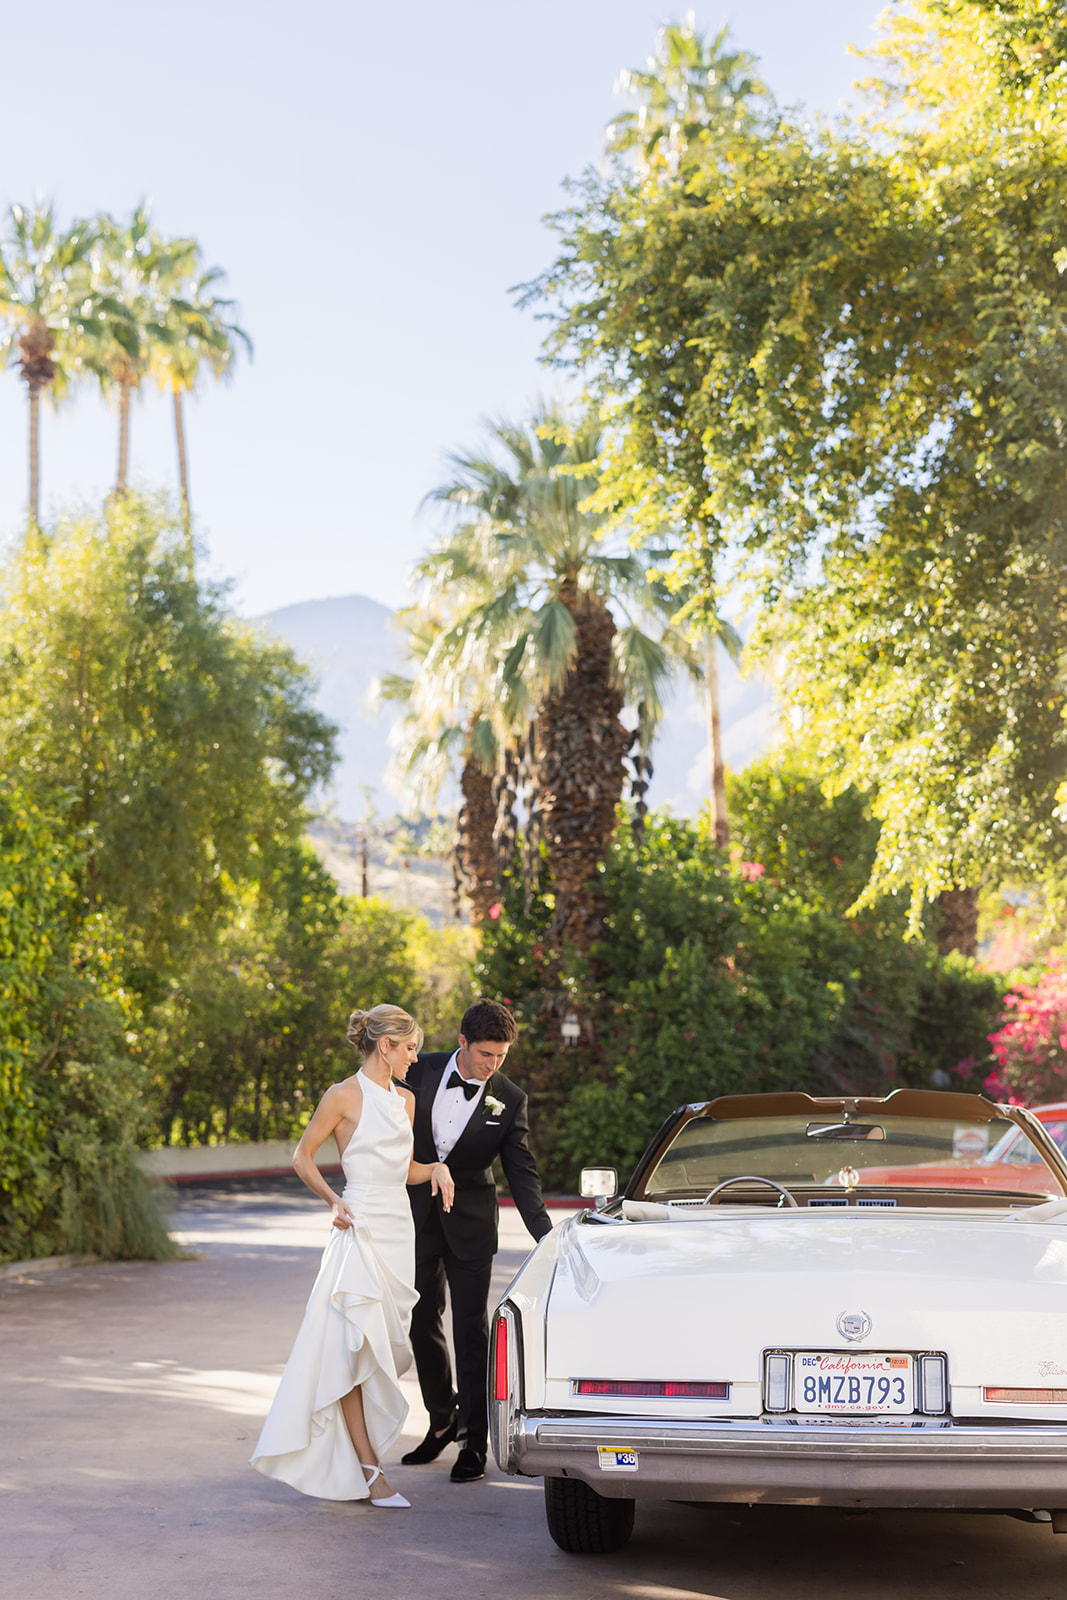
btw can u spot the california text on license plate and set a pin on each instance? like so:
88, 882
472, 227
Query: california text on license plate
853, 1382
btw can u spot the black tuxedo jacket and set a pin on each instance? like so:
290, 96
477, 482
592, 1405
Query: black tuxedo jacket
470, 1228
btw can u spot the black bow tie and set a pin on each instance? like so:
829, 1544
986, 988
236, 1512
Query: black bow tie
469, 1089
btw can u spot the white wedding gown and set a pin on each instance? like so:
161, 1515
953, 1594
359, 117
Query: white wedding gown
355, 1328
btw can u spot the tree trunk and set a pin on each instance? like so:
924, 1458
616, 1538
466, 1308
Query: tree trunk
477, 847
38, 371
183, 470
718, 768
35, 459
580, 746
124, 438
959, 921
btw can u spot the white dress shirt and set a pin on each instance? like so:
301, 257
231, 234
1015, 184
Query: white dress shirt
451, 1111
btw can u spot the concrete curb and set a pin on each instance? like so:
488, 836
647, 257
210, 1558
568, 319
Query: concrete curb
19, 1269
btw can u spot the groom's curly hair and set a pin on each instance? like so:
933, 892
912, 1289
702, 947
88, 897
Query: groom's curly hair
488, 1020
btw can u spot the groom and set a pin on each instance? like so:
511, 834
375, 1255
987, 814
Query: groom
467, 1113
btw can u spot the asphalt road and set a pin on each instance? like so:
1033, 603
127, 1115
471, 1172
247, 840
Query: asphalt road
131, 1396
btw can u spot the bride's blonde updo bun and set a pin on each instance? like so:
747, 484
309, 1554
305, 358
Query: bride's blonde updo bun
366, 1028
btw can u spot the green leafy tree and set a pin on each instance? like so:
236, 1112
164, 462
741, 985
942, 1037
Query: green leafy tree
713, 977
185, 744
72, 1094
836, 353
821, 849
45, 300
692, 88
252, 1030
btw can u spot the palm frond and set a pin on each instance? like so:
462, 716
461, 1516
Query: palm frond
554, 638
644, 667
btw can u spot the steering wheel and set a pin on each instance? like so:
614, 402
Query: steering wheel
751, 1178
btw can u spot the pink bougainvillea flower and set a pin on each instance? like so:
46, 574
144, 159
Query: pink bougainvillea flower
1030, 1047
751, 870
495, 910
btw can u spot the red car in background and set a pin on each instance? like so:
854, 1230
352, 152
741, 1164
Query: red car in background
1011, 1165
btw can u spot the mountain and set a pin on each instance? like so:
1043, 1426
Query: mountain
348, 641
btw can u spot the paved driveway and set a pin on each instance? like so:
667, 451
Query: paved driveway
132, 1395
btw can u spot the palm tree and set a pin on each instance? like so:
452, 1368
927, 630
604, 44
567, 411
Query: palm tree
44, 304
532, 591
198, 331
133, 267
689, 85
445, 720
125, 260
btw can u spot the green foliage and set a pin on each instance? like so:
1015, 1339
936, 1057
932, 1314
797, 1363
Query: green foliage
838, 352
183, 744
822, 849
252, 1031
714, 979
72, 1096
957, 1008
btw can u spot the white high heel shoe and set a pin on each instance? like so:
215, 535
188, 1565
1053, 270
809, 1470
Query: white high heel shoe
393, 1502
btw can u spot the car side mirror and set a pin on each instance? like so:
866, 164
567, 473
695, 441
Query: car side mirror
598, 1184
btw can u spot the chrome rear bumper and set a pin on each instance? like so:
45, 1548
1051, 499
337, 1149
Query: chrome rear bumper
933, 1462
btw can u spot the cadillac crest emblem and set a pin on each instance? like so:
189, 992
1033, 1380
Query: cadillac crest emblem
854, 1325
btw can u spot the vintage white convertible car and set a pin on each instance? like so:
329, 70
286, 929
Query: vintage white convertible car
802, 1302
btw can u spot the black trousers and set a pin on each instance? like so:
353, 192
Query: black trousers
468, 1284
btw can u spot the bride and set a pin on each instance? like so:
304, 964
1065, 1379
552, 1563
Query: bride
339, 1408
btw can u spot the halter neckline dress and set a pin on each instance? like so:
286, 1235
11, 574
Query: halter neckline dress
355, 1328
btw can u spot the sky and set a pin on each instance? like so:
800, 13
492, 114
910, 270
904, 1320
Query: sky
373, 180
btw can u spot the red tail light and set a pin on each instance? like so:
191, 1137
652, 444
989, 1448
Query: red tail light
500, 1360
1026, 1397
655, 1391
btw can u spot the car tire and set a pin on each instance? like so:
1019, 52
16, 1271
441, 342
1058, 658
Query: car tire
583, 1522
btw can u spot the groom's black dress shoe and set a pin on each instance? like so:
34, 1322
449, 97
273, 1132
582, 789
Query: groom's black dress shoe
431, 1446
470, 1466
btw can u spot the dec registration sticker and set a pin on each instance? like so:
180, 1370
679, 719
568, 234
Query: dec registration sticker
612, 1460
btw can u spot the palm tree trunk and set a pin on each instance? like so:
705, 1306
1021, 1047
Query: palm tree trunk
183, 468
581, 746
38, 370
35, 459
718, 767
477, 849
124, 438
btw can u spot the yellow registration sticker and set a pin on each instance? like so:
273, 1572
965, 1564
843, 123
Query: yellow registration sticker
613, 1460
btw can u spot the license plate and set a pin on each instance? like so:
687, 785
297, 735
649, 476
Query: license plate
836, 1383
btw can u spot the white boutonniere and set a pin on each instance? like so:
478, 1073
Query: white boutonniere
493, 1105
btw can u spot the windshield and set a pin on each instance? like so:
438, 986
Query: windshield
837, 1153
1016, 1147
